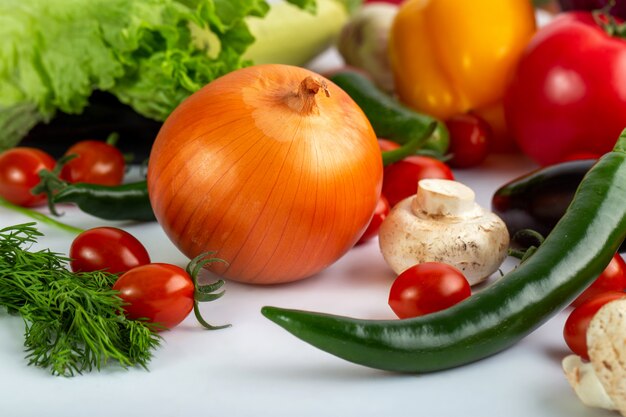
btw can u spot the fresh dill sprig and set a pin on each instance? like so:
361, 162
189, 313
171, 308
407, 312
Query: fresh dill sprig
74, 321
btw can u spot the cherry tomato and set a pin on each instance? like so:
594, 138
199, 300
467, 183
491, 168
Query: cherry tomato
400, 178
426, 288
387, 145
613, 278
470, 137
19, 169
380, 213
107, 248
160, 293
96, 162
577, 323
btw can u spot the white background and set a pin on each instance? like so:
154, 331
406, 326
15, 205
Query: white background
255, 368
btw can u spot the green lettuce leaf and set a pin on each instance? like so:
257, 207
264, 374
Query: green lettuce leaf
54, 54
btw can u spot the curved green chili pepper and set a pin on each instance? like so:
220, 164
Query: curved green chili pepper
390, 119
123, 202
409, 148
571, 257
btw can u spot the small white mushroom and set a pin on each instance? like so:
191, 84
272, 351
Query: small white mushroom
602, 381
443, 223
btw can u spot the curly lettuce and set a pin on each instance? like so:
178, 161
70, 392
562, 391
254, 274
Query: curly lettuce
54, 54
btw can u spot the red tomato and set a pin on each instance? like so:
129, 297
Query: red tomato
400, 178
613, 278
470, 137
380, 213
107, 248
97, 162
160, 293
426, 288
387, 145
576, 325
19, 169
568, 95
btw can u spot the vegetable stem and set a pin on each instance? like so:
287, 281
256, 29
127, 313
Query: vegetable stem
409, 148
304, 100
40, 217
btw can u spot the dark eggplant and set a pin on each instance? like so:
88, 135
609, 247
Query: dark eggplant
618, 8
537, 200
103, 116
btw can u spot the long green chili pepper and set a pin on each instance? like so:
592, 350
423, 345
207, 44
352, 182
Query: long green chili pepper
389, 118
123, 202
570, 258
409, 148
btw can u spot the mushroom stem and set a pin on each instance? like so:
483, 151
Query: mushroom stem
438, 197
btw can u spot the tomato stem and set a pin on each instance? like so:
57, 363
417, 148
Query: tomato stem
206, 292
607, 22
112, 139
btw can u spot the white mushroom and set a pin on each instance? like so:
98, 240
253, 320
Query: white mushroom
443, 223
602, 381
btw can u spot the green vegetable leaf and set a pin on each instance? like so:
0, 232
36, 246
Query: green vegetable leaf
53, 55
74, 321
308, 5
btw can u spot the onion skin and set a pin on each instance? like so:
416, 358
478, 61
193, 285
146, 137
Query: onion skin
276, 177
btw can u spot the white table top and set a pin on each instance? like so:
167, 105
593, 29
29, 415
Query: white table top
257, 369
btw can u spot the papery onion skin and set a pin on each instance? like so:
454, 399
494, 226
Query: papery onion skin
243, 167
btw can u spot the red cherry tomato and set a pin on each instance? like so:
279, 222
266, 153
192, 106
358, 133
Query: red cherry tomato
160, 293
107, 248
380, 213
613, 278
470, 137
96, 162
400, 178
426, 288
387, 145
576, 325
19, 169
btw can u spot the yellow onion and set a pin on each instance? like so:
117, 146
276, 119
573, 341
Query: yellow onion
273, 167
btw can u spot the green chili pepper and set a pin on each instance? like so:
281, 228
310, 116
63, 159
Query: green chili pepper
389, 118
123, 202
570, 258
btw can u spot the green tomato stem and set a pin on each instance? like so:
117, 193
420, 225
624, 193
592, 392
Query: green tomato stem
40, 217
206, 292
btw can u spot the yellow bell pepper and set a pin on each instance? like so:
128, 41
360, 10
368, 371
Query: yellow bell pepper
455, 56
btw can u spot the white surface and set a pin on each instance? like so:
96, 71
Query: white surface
257, 369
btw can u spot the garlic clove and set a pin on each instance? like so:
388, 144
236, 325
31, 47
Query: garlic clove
585, 383
606, 343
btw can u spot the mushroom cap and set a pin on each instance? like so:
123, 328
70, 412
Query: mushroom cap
473, 240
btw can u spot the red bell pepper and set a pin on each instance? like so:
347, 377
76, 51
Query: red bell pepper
568, 95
